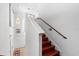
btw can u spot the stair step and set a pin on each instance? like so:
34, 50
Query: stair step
45, 39
52, 53
47, 47
43, 35
46, 51
46, 42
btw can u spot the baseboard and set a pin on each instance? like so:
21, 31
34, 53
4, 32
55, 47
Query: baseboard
4, 53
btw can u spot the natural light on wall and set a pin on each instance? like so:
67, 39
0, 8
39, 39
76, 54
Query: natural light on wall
18, 20
20, 12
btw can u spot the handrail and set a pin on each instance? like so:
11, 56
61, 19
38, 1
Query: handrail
52, 28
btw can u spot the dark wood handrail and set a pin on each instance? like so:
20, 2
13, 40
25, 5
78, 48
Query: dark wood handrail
52, 28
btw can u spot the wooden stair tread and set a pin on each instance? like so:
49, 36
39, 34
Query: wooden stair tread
43, 35
51, 53
47, 47
46, 42
45, 39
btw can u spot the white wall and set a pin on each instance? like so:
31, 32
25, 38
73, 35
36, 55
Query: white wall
64, 18
32, 37
4, 29
32, 30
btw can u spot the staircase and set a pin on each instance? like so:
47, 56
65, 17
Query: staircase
48, 49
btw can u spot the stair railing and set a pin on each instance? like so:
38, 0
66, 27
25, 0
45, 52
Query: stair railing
52, 28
